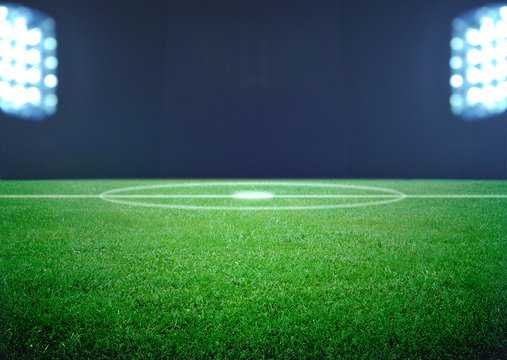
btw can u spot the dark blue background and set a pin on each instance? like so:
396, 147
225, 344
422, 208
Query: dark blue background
253, 89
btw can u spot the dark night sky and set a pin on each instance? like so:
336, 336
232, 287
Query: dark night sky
253, 89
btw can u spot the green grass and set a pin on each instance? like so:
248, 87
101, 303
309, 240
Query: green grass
90, 279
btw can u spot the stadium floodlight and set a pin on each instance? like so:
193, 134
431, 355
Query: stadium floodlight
28, 63
479, 63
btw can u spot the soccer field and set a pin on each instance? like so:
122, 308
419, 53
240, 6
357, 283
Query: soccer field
253, 269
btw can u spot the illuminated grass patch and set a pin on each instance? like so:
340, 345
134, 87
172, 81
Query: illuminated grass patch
419, 278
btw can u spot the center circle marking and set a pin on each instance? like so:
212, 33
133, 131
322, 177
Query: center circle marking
114, 196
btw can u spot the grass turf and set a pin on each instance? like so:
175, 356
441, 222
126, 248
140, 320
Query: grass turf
418, 278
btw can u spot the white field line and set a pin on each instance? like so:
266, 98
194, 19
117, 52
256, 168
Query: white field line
232, 196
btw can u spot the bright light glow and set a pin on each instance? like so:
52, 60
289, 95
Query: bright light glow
501, 71
488, 95
33, 37
5, 89
474, 75
51, 100
19, 53
479, 63
501, 29
33, 95
27, 56
18, 95
33, 56
487, 32
456, 44
456, 62
474, 56
501, 49
18, 72
50, 81
50, 43
5, 48
456, 80
474, 37
19, 29
456, 101
253, 195
488, 53
33, 75
51, 62
474, 95
3, 13
501, 91
5, 29
5, 70
488, 73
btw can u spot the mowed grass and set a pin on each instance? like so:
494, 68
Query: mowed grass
90, 279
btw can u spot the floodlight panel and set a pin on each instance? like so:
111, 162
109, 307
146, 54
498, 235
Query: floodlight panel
478, 63
28, 63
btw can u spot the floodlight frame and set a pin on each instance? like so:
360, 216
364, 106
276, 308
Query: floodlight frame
28, 62
478, 62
